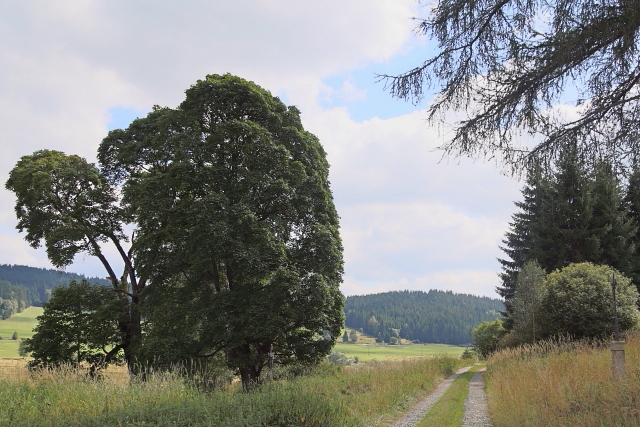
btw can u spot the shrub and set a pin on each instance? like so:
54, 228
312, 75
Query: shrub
341, 359
579, 301
486, 337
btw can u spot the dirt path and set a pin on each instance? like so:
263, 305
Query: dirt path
415, 414
475, 406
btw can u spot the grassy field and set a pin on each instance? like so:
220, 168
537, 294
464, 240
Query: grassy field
22, 323
366, 352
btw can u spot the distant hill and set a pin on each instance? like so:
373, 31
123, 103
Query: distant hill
430, 317
22, 286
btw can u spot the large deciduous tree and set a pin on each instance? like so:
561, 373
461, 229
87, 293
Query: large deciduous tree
236, 227
507, 63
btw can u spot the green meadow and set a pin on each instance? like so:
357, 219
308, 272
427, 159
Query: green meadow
366, 352
22, 323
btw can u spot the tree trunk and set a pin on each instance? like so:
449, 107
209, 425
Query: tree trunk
249, 377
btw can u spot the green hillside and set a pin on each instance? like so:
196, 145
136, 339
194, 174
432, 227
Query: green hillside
22, 323
22, 286
430, 317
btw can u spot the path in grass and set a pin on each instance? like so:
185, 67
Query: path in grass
444, 407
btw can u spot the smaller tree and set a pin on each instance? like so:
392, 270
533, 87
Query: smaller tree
79, 324
345, 337
22, 350
526, 302
14, 336
353, 336
486, 337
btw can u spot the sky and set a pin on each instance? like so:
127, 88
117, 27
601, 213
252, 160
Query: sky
72, 70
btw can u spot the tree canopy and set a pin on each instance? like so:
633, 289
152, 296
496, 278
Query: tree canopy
508, 63
433, 317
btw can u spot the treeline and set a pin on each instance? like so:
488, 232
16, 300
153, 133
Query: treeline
22, 286
431, 317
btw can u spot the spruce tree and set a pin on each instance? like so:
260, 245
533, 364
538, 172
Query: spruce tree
574, 215
610, 221
518, 240
563, 234
632, 203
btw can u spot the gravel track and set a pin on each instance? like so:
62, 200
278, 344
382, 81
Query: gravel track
475, 406
415, 414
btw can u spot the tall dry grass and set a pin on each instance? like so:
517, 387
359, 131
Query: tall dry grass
332, 396
563, 383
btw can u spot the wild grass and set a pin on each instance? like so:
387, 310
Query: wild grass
563, 384
332, 396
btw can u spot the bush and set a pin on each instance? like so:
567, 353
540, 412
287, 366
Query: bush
486, 337
341, 359
579, 302
14, 336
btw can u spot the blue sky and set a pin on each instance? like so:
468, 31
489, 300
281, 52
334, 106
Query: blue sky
71, 71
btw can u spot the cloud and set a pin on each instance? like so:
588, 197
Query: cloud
473, 283
408, 219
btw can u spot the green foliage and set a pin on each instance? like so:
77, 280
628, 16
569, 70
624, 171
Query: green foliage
79, 324
353, 336
14, 336
345, 337
236, 228
579, 301
433, 317
486, 337
467, 354
22, 349
341, 359
66, 203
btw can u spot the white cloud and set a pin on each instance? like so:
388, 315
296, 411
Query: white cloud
407, 220
474, 283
